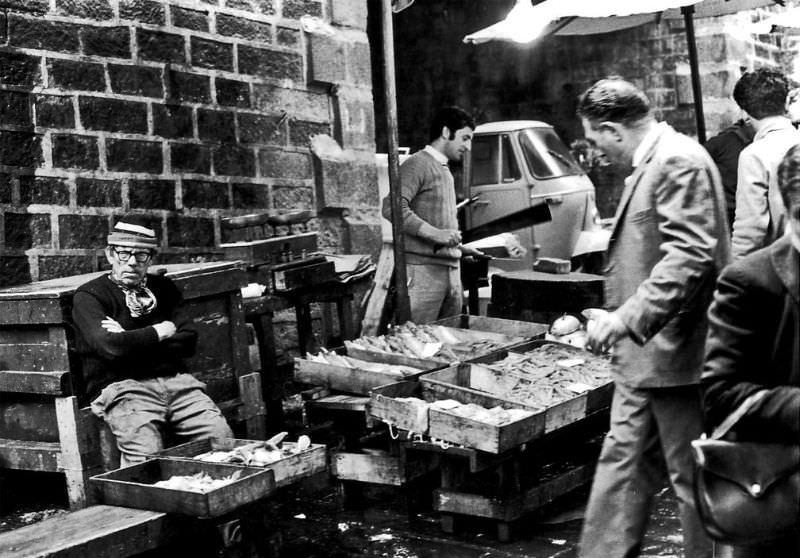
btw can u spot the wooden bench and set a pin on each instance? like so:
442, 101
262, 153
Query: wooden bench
96, 532
43, 424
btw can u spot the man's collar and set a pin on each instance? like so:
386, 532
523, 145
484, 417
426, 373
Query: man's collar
437, 155
772, 123
647, 142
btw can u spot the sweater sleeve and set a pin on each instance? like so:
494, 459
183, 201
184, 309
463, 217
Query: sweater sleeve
412, 181
87, 314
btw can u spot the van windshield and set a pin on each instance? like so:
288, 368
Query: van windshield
546, 154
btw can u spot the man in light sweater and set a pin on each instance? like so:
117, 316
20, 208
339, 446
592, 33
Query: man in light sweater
760, 215
432, 239
132, 347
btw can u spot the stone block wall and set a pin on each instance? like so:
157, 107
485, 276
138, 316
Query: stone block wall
184, 111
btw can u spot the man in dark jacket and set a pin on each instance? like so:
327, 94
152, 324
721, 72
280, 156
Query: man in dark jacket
132, 349
754, 342
725, 148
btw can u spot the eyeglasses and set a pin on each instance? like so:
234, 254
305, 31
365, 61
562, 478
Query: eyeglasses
125, 255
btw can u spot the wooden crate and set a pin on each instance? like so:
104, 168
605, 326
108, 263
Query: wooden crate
481, 327
287, 470
385, 404
133, 487
475, 383
342, 378
483, 436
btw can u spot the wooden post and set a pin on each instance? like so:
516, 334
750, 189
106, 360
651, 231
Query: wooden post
697, 93
402, 305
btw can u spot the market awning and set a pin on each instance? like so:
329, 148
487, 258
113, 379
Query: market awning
526, 22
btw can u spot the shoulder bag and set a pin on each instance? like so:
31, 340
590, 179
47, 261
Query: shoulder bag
746, 492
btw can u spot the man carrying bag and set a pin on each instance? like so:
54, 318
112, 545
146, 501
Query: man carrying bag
748, 473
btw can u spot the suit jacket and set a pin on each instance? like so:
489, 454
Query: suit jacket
754, 344
669, 241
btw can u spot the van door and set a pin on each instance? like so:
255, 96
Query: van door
498, 181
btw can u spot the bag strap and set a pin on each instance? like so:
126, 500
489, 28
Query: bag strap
736, 415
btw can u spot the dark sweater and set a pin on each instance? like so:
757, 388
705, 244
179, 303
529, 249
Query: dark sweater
135, 353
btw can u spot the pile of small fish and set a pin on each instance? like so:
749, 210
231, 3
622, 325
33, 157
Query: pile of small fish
496, 416
258, 454
429, 342
200, 482
551, 374
329, 357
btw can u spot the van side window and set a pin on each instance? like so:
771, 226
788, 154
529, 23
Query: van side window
484, 159
510, 166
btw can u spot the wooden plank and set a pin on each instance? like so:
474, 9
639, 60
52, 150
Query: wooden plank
394, 358
30, 456
252, 411
375, 469
55, 382
134, 486
483, 436
342, 378
97, 531
44, 311
41, 357
341, 403
76, 461
202, 284
512, 507
374, 319
390, 404
511, 328
240, 353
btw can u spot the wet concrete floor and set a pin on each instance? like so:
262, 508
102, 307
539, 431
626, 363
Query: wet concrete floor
321, 526
315, 522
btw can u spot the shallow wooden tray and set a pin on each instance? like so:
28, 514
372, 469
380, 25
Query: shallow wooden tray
133, 487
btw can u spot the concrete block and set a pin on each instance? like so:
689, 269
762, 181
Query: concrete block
161, 47
343, 178
113, 42
134, 156
152, 194
136, 80
190, 157
86, 9
279, 163
205, 194
354, 125
81, 76
75, 152
113, 115
142, 11
82, 231
93, 192
211, 54
349, 13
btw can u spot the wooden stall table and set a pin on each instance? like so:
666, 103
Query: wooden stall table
44, 424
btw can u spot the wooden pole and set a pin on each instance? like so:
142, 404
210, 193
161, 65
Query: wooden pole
402, 304
691, 40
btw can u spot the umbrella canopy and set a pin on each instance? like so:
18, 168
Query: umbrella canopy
526, 22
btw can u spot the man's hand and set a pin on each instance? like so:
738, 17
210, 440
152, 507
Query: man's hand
445, 237
165, 329
111, 325
603, 332
469, 251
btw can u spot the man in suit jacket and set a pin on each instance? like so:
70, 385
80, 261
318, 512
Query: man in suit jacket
669, 240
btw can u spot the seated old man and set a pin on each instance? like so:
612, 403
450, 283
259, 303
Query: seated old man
132, 351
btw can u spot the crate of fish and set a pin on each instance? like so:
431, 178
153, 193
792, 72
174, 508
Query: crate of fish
349, 374
290, 461
559, 383
188, 487
435, 345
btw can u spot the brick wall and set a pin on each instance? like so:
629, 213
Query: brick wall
182, 110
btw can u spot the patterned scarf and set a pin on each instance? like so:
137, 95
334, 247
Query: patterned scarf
140, 300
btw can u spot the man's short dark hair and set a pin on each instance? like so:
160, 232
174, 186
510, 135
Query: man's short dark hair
789, 178
762, 93
454, 118
613, 99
